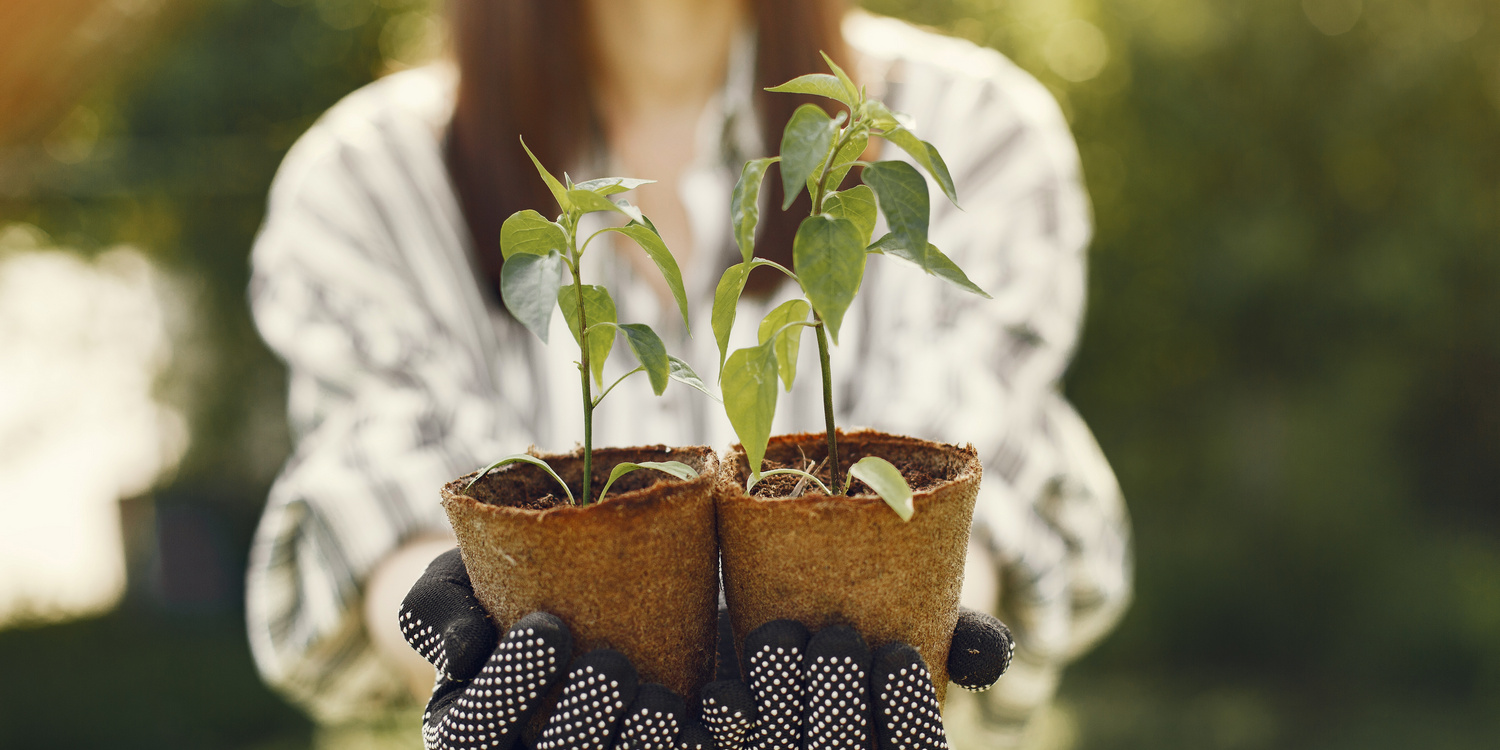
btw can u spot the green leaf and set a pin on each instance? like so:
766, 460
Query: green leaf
791, 311
682, 372
522, 458
887, 482
726, 304
528, 284
675, 468
636, 217
830, 260
611, 185
888, 245
927, 155
844, 80
903, 199
818, 84
651, 242
646, 222
842, 163
727, 297
530, 233
744, 205
857, 204
588, 201
805, 143
882, 118
600, 308
559, 193
938, 264
650, 352
750, 399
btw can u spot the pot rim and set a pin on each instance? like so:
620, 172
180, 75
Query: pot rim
640, 499
729, 469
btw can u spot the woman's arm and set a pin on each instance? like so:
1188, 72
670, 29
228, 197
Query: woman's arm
388, 400
388, 585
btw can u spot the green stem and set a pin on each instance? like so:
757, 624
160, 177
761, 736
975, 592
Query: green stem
761, 262
833, 447
588, 401
838, 145
611, 387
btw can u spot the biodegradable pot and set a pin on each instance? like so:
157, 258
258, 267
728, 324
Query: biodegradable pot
825, 560
636, 573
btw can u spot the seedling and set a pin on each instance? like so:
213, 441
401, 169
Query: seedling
829, 250
537, 252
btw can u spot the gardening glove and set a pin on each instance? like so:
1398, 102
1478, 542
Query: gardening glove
488, 687
828, 692
980, 653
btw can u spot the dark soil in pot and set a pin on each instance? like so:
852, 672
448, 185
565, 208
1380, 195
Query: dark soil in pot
851, 560
636, 572
791, 485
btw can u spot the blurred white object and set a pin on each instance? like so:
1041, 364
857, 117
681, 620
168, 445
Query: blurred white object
81, 347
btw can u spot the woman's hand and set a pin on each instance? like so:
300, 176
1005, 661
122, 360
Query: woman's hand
824, 691
488, 687
828, 692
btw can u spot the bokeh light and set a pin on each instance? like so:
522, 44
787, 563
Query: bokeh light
82, 345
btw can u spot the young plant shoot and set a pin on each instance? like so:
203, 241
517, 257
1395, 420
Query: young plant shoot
829, 252
537, 253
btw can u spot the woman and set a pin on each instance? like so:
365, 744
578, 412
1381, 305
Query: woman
375, 278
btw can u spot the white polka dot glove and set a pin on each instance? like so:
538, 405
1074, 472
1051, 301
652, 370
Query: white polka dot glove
828, 692
804, 692
981, 650
443, 621
488, 688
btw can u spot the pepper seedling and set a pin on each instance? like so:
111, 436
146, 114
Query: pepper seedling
537, 252
829, 253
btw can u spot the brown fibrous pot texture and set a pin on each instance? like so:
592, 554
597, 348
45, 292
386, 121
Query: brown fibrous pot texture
825, 560
636, 572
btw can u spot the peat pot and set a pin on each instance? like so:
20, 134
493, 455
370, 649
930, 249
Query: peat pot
636, 573
825, 560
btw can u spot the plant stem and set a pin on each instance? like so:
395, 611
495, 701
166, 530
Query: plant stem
833, 446
588, 401
823, 363
838, 145
817, 200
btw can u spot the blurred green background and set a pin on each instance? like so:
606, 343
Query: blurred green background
1291, 356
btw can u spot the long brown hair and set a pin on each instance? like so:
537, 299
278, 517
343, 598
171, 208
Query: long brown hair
516, 78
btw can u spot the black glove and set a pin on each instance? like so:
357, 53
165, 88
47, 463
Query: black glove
981, 650
488, 688
828, 692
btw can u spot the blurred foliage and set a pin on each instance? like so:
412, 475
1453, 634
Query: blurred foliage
176, 157
136, 679
1291, 358
1291, 355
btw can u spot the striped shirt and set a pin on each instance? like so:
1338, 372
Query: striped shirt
403, 375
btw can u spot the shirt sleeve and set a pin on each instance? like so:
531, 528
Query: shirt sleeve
386, 403
1050, 523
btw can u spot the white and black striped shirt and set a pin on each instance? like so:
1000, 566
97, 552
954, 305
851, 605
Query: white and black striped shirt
404, 376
